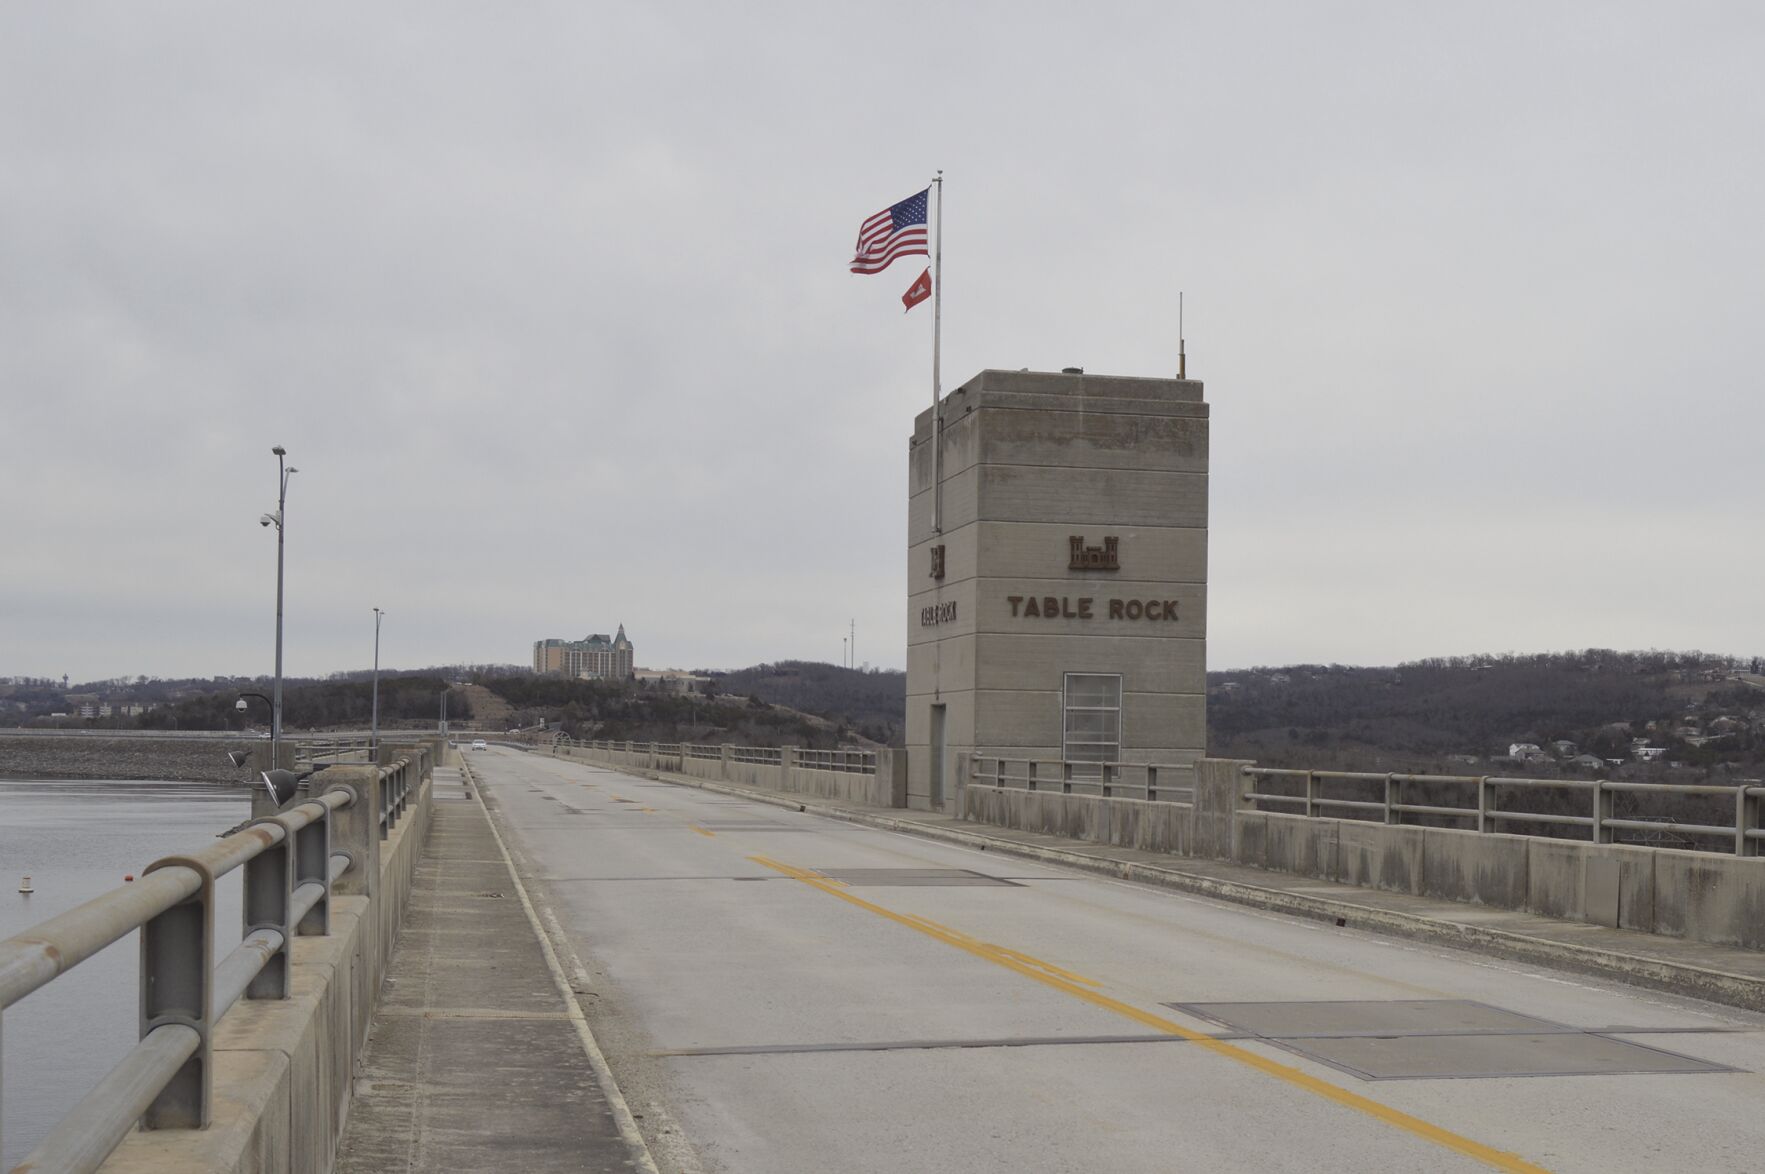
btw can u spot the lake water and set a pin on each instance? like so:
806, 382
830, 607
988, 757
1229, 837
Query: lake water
77, 839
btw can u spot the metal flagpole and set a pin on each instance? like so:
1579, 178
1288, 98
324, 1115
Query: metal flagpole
937, 342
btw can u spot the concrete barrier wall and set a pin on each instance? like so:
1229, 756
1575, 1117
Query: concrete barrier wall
872, 790
1703, 896
886, 788
1710, 898
754, 774
702, 768
1127, 823
283, 1068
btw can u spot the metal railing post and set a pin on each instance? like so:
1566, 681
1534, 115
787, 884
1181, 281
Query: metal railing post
1311, 794
1151, 783
177, 987
1393, 796
1483, 803
1104, 782
1746, 818
1603, 807
269, 899
357, 831
312, 863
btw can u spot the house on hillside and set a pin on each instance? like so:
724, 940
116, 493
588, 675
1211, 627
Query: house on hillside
1527, 752
1647, 753
671, 680
1565, 748
1586, 762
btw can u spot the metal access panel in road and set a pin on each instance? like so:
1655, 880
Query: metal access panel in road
1439, 1039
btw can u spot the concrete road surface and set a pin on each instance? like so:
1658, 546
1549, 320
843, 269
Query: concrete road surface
778, 992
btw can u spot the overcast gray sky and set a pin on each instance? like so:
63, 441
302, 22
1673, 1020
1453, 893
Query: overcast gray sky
549, 304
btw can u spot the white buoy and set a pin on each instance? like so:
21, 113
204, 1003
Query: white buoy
24, 886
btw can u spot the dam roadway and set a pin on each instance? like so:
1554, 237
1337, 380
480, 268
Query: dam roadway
775, 991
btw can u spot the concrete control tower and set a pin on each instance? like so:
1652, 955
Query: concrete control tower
1058, 590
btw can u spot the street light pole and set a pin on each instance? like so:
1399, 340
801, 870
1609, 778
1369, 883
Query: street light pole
278, 519
374, 735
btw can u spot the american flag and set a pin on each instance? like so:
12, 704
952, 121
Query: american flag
896, 231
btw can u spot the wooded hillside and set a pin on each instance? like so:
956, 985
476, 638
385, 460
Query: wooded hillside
626, 711
872, 701
1454, 714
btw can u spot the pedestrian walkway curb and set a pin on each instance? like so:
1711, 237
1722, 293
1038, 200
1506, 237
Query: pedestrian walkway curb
1714, 985
597, 1060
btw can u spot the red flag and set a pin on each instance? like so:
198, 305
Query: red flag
920, 290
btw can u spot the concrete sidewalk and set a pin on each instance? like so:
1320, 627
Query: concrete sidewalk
478, 1057
1721, 974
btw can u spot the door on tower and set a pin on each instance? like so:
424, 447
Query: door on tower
937, 763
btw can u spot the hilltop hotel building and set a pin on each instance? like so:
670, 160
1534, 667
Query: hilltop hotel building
596, 657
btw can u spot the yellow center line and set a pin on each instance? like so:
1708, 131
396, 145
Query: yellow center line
944, 932
1061, 980
702, 831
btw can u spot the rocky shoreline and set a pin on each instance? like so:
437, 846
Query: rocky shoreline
191, 760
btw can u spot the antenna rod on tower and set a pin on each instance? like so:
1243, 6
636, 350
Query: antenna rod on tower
1182, 359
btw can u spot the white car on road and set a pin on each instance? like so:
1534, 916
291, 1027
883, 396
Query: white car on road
480, 744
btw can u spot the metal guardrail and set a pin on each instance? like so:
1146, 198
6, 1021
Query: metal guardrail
1154, 782
757, 755
395, 794
338, 749
838, 761
291, 860
852, 762
1482, 812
